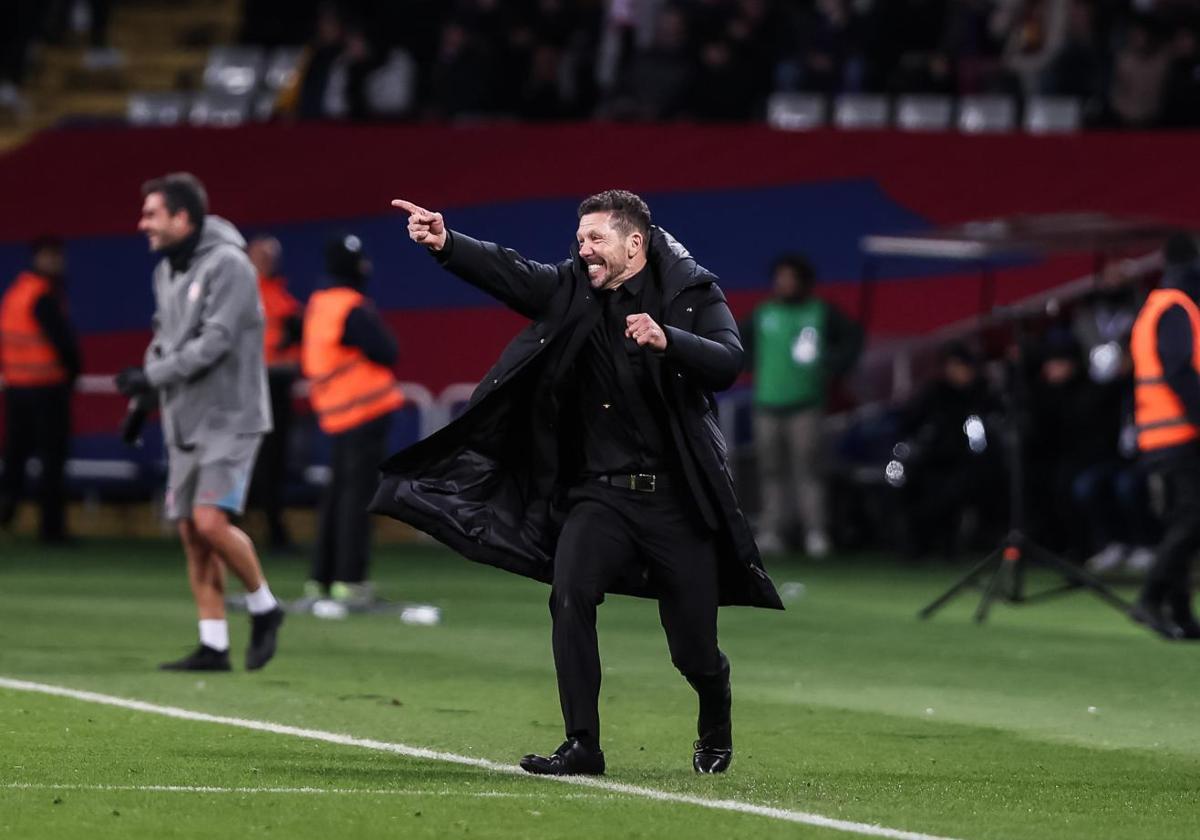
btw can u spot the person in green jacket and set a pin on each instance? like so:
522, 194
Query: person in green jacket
797, 345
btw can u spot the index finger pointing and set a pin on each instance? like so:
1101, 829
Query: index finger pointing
408, 206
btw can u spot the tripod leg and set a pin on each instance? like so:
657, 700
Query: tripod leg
961, 584
1003, 570
1078, 576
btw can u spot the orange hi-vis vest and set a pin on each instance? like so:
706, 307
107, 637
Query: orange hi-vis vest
347, 388
27, 358
1158, 412
278, 306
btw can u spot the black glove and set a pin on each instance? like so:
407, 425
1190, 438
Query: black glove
134, 422
132, 381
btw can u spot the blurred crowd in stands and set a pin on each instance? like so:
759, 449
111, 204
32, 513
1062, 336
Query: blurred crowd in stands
1134, 63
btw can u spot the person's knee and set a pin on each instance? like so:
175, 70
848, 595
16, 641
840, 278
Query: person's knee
569, 598
698, 659
210, 523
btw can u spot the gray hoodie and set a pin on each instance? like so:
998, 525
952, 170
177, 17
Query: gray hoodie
206, 359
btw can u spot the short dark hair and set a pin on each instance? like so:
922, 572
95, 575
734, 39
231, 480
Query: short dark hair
629, 211
799, 265
180, 191
46, 242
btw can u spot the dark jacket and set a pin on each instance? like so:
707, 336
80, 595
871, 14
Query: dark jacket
491, 484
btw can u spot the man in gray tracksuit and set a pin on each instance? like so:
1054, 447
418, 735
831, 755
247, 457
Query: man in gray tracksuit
205, 365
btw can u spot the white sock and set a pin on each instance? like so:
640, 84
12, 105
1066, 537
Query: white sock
260, 600
214, 633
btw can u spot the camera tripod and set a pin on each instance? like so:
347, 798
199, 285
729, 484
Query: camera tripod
1005, 568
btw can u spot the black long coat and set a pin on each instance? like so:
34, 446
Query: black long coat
490, 485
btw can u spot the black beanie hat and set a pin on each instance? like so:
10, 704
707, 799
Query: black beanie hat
344, 258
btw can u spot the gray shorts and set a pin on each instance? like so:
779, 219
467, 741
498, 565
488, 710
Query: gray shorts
213, 474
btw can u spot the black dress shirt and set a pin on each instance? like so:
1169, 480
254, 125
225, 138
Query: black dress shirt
622, 416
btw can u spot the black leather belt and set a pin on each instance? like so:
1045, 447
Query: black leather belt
641, 482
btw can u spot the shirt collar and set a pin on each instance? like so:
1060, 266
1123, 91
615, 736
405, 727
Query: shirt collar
633, 286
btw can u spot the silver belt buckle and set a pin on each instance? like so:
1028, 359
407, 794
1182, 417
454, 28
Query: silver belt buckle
643, 482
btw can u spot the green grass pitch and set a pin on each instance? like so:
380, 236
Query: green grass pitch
1060, 720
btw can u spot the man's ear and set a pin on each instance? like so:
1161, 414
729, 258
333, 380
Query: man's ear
635, 244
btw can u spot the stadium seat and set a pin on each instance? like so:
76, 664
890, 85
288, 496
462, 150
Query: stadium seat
796, 111
390, 88
1053, 114
264, 105
220, 109
234, 70
986, 114
281, 67
860, 110
922, 112
144, 109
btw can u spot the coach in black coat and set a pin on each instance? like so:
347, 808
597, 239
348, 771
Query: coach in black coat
498, 483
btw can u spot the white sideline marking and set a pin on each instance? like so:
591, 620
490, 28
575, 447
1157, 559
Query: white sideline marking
783, 814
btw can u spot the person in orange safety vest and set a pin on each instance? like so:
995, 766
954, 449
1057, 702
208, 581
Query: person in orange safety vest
39, 361
1165, 346
348, 354
284, 316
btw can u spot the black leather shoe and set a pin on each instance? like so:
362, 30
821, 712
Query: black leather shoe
202, 658
570, 759
713, 752
264, 630
1153, 616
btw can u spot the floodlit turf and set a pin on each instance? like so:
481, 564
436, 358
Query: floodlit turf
1053, 721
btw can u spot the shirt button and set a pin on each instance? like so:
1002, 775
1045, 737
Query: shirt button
541, 341
689, 309
495, 381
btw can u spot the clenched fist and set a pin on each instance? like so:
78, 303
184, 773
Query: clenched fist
424, 226
642, 329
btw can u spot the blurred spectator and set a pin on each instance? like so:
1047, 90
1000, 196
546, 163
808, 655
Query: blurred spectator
1078, 68
796, 345
39, 360
1181, 108
661, 78
1075, 430
948, 465
1103, 321
462, 74
823, 54
307, 98
1135, 96
20, 23
281, 338
348, 354
1036, 30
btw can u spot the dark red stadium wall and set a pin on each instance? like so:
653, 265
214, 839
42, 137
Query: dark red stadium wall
717, 187
86, 179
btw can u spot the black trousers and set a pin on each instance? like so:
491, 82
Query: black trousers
270, 470
613, 535
343, 547
1175, 485
38, 423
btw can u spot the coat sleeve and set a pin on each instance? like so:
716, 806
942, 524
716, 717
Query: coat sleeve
232, 292
522, 285
713, 352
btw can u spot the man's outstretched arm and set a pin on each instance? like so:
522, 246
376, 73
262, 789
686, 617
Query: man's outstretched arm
523, 285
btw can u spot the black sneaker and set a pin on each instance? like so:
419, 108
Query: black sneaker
570, 759
713, 753
202, 658
264, 629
